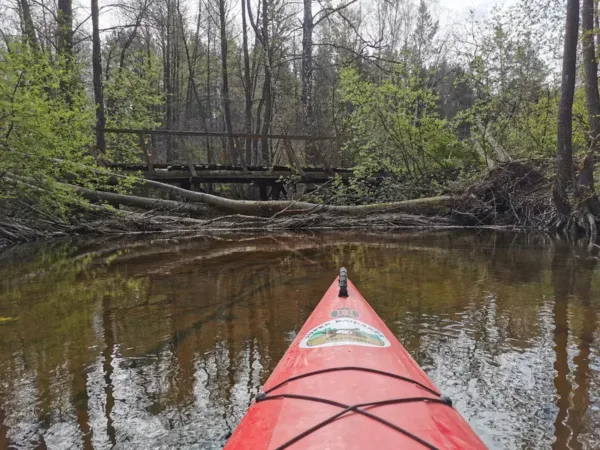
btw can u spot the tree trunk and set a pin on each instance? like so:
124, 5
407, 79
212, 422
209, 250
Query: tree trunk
191, 65
563, 185
64, 23
425, 206
247, 86
267, 88
209, 154
142, 202
178, 35
307, 32
591, 90
225, 81
168, 79
98, 90
27, 24
307, 68
64, 18
587, 202
259, 109
132, 36
597, 26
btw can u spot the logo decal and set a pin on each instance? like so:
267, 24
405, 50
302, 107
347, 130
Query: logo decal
345, 312
344, 331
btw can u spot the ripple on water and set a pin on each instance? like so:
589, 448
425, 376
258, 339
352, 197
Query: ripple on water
149, 346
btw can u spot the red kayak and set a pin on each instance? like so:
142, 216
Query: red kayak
347, 383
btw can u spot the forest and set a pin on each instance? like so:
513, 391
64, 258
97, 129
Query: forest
491, 119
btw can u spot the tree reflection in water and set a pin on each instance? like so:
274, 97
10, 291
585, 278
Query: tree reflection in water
165, 343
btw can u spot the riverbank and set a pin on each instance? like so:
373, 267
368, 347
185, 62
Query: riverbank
515, 195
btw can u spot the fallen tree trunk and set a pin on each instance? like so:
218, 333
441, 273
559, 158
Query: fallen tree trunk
132, 201
431, 205
141, 202
425, 206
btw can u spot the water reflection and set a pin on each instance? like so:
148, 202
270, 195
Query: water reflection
163, 344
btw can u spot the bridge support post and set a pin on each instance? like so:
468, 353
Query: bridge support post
147, 157
276, 190
262, 189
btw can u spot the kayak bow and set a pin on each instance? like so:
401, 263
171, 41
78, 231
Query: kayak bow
346, 382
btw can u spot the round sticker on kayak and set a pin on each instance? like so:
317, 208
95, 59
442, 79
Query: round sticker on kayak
344, 332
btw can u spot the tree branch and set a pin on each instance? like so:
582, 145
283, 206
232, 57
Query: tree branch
330, 11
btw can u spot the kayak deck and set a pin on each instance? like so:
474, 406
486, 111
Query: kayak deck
346, 382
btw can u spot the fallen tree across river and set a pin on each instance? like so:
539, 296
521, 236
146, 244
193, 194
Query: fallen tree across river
513, 195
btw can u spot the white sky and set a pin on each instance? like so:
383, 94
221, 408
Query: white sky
458, 10
463, 6
450, 11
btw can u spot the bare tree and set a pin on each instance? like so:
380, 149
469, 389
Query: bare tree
97, 75
167, 24
133, 34
248, 88
209, 153
64, 22
225, 81
27, 24
586, 175
267, 86
309, 23
564, 153
263, 121
307, 63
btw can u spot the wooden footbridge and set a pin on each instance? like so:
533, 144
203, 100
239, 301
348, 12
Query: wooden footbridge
275, 177
217, 173
193, 174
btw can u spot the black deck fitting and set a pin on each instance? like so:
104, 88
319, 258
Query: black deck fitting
447, 400
343, 282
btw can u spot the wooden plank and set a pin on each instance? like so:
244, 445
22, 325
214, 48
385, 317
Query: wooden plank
218, 167
238, 177
267, 175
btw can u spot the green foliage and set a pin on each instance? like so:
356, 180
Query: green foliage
133, 100
41, 122
417, 107
526, 131
46, 131
580, 123
394, 126
509, 71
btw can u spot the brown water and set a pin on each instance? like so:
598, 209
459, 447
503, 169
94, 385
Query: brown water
163, 344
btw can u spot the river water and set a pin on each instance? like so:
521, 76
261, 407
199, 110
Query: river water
163, 343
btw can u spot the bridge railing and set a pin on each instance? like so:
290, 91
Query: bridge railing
239, 155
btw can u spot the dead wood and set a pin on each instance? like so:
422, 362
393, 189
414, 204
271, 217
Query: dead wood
141, 202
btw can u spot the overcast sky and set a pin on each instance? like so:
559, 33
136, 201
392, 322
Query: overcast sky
449, 12
463, 6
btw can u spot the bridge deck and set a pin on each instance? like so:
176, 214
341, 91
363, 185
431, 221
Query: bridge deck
216, 173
